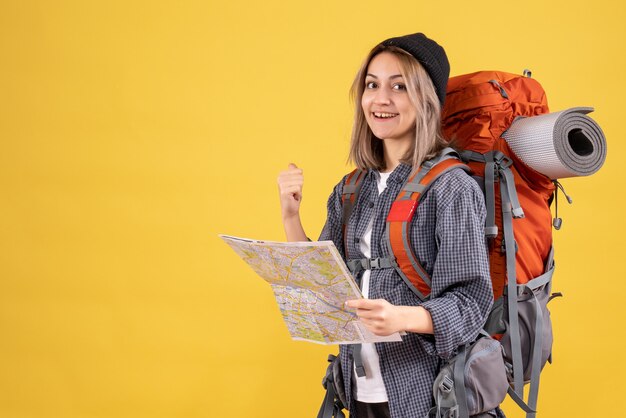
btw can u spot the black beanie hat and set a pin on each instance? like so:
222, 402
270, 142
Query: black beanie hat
430, 54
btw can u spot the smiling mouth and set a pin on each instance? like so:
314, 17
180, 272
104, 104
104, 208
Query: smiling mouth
384, 115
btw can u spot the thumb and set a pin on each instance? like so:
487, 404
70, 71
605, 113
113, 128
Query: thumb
292, 166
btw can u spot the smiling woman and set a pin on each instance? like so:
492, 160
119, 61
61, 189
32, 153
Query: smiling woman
398, 93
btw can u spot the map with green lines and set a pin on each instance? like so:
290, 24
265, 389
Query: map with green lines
311, 284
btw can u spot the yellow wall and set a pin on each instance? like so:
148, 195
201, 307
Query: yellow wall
133, 132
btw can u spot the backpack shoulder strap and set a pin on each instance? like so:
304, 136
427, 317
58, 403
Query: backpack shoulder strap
350, 194
401, 213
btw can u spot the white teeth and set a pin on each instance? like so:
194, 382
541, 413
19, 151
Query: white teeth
384, 115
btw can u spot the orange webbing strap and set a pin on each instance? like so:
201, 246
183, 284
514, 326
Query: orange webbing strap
399, 222
349, 196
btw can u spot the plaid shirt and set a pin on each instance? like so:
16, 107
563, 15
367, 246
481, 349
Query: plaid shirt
447, 236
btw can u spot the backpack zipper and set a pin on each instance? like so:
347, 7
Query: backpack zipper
557, 222
490, 348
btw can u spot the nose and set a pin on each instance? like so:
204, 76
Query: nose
382, 96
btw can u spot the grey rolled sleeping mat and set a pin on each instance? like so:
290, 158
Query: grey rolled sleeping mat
558, 145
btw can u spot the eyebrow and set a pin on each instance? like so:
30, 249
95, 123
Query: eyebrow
392, 77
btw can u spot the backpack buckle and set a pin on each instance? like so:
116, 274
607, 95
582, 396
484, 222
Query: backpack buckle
374, 263
428, 164
446, 385
501, 160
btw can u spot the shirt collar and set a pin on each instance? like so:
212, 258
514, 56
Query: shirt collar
398, 175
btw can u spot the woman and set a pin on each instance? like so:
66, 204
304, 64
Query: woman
399, 91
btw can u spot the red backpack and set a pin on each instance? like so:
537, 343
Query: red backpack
479, 108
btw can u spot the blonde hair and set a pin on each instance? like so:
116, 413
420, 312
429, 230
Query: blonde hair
366, 151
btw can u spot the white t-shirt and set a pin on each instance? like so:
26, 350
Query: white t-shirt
370, 388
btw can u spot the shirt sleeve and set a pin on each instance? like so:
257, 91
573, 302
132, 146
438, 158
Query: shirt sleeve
332, 230
461, 285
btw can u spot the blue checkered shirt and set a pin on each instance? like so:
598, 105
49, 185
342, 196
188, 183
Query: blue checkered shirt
447, 236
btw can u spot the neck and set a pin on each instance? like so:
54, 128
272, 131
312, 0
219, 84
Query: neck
394, 150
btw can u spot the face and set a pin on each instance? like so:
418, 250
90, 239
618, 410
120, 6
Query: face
385, 101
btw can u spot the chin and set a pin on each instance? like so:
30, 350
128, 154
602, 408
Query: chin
381, 134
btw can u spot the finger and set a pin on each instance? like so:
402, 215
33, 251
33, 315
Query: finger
287, 177
292, 169
365, 315
364, 304
292, 183
291, 191
291, 172
292, 188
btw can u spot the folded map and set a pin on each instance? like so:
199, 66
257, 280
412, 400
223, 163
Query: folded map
311, 284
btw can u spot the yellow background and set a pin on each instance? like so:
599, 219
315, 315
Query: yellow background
133, 132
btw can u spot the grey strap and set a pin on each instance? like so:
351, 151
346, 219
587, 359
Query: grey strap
347, 210
358, 360
328, 404
415, 188
535, 360
550, 260
351, 188
517, 210
434, 412
468, 155
519, 401
495, 161
537, 282
420, 173
439, 415
506, 175
509, 242
448, 152
348, 207
356, 265
491, 230
356, 353
459, 383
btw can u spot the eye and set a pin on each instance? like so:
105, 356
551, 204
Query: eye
371, 85
399, 87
